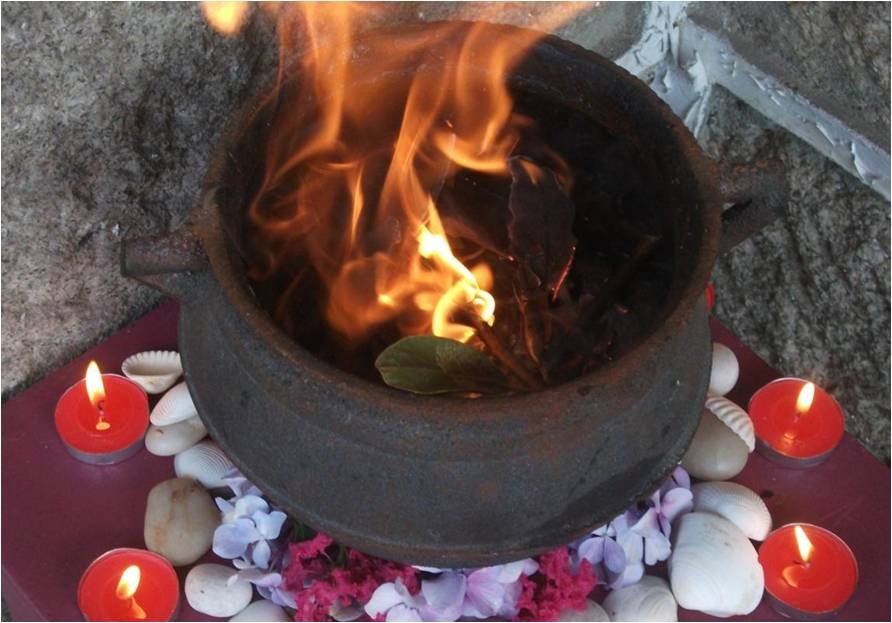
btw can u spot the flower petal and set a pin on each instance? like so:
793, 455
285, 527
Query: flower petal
250, 504
232, 539
648, 525
383, 599
656, 548
261, 554
401, 612
269, 524
614, 556
485, 591
445, 591
675, 502
592, 549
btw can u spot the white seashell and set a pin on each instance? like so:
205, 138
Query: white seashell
741, 506
154, 370
262, 610
734, 418
592, 612
714, 567
649, 599
725, 370
175, 406
716, 452
209, 591
205, 462
173, 439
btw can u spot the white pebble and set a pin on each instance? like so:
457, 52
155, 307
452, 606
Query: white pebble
208, 590
173, 439
725, 370
262, 610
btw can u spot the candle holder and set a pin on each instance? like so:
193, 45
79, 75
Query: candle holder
794, 427
111, 590
108, 435
810, 579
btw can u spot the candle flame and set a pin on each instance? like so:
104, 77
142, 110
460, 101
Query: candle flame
803, 543
95, 387
806, 397
128, 583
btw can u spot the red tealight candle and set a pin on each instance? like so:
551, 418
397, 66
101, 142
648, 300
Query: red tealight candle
797, 423
103, 418
810, 573
129, 585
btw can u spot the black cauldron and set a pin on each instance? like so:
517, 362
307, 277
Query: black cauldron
440, 481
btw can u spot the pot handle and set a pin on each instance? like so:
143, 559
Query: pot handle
164, 262
758, 191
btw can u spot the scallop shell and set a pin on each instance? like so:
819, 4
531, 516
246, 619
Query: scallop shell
592, 612
725, 370
155, 370
204, 462
741, 506
649, 599
734, 418
713, 567
175, 406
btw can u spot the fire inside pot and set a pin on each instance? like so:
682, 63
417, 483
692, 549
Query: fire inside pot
420, 207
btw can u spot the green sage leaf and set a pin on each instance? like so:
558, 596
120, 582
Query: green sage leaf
426, 364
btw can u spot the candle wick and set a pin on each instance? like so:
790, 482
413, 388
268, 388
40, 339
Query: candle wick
136, 610
101, 424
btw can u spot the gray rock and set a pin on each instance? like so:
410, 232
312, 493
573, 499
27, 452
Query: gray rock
180, 521
811, 293
109, 113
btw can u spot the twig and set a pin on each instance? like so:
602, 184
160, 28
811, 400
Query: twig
504, 354
621, 277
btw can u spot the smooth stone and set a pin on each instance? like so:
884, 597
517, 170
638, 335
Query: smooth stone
592, 612
262, 610
716, 452
714, 568
725, 370
649, 599
173, 439
208, 591
180, 521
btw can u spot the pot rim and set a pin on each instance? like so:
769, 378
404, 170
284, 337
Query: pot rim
230, 276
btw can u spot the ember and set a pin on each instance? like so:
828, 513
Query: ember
408, 190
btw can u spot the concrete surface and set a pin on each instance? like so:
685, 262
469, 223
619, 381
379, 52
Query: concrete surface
834, 53
811, 293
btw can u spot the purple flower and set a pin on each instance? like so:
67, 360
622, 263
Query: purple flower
639, 536
450, 594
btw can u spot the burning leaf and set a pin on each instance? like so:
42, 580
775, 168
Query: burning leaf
426, 364
540, 228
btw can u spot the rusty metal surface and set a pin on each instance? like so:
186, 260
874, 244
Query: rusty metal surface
759, 192
450, 481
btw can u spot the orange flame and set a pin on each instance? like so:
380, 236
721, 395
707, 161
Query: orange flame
95, 386
225, 17
805, 399
126, 589
128, 583
353, 172
803, 543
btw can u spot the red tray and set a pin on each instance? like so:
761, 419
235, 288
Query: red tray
59, 514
